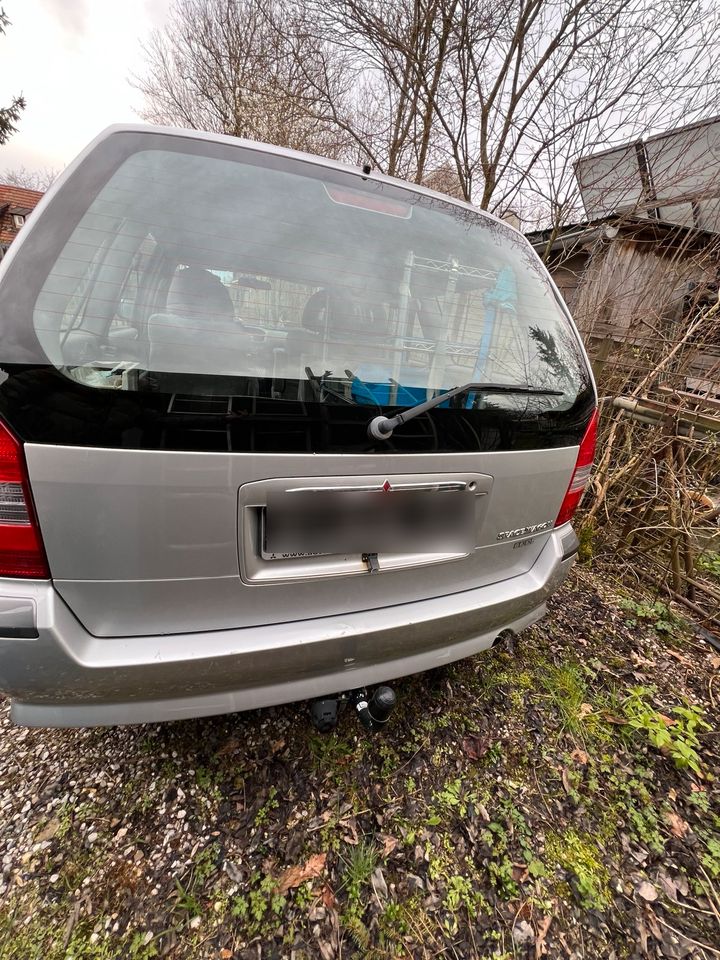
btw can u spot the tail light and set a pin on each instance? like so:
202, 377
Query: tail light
581, 474
21, 549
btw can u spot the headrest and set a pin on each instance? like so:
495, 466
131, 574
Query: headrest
195, 292
331, 307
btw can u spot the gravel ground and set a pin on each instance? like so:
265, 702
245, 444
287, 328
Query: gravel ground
558, 799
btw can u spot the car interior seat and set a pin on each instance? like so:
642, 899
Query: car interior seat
197, 333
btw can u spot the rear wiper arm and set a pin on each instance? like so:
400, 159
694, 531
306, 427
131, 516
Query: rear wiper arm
381, 428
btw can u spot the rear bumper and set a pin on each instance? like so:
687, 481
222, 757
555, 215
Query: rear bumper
64, 677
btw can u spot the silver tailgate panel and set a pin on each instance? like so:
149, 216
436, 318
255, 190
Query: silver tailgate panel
143, 542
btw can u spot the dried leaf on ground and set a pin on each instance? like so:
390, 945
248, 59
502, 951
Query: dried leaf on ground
565, 777
523, 933
668, 884
48, 831
540, 935
328, 898
351, 837
613, 718
680, 657
678, 826
389, 844
475, 747
653, 924
647, 891
378, 882
294, 876
327, 950
643, 933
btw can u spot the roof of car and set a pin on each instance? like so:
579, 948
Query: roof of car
291, 154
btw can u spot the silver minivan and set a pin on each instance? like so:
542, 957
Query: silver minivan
271, 428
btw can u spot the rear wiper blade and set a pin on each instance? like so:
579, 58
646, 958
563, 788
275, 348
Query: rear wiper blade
320, 386
381, 428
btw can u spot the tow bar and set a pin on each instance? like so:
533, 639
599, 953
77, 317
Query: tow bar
372, 709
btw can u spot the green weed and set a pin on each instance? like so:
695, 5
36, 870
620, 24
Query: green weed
658, 614
190, 889
272, 803
578, 855
676, 735
709, 563
260, 908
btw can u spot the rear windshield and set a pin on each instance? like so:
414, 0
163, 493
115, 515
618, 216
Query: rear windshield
188, 269
193, 269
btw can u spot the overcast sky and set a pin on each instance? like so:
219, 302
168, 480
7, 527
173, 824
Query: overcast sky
71, 59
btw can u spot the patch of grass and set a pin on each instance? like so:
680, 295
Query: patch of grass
358, 867
393, 924
134, 946
491, 672
207, 783
336, 753
65, 820
186, 902
567, 687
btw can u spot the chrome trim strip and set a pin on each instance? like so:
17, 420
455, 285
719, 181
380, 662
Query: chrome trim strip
442, 485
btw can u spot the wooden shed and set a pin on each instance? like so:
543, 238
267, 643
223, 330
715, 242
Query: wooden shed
634, 285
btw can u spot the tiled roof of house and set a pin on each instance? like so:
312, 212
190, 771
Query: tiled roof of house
14, 200
18, 196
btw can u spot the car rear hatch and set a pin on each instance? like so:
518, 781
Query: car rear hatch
197, 334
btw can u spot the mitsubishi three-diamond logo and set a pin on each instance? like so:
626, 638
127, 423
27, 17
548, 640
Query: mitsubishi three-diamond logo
387, 486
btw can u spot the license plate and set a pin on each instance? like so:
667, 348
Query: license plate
268, 554
305, 524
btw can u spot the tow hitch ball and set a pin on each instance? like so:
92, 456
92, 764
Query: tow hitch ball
373, 709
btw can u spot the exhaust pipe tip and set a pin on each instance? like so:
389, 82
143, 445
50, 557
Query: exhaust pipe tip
506, 638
